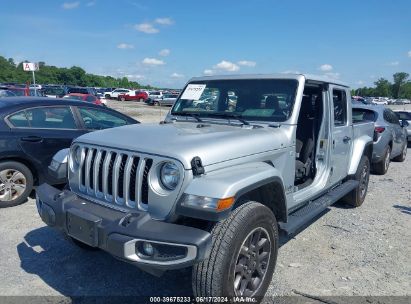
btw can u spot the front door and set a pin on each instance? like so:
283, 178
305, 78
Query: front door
342, 133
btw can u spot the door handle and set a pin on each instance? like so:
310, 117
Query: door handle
32, 138
346, 139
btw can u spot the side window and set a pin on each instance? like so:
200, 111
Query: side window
51, 118
340, 107
96, 119
19, 120
394, 118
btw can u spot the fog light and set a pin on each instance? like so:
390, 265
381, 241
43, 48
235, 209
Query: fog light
148, 249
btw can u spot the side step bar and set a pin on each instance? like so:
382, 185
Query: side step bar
301, 217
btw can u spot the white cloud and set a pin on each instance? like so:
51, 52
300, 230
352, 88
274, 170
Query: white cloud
135, 76
125, 46
393, 63
164, 21
152, 61
247, 63
291, 72
326, 68
146, 28
409, 53
176, 75
227, 66
332, 75
164, 52
70, 5
360, 82
208, 72
91, 3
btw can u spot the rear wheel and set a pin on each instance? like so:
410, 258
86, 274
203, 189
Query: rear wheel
107, 96
156, 103
403, 155
243, 255
16, 183
356, 197
382, 166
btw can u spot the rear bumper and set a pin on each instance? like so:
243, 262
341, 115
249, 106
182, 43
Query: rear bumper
123, 235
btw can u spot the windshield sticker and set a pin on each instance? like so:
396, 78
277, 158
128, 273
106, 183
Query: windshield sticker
193, 91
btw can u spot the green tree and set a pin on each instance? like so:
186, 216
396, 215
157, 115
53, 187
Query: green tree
399, 80
382, 88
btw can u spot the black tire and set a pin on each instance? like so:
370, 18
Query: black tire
82, 245
400, 158
107, 96
356, 197
156, 104
216, 275
8, 167
382, 167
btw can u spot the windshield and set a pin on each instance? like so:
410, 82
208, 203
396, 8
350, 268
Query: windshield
250, 99
75, 97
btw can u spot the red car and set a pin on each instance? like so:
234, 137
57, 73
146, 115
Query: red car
137, 95
84, 97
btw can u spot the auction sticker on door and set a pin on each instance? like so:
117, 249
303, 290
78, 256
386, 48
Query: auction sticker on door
193, 91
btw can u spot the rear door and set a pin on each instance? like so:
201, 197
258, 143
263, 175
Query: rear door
399, 134
49, 129
342, 132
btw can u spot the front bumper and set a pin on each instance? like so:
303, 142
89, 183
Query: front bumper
123, 234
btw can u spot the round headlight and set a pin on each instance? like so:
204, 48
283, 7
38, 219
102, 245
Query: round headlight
76, 155
169, 175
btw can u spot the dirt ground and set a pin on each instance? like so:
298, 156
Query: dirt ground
346, 252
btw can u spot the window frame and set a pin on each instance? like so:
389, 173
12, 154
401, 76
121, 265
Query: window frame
11, 126
345, 107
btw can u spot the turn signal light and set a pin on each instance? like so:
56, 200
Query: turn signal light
225, 203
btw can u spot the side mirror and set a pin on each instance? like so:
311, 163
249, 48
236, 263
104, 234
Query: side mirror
404, 123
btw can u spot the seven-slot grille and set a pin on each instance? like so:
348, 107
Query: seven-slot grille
116, 177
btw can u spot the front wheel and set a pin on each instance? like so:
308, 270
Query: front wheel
243, 255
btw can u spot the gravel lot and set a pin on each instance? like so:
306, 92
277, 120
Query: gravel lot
346, 252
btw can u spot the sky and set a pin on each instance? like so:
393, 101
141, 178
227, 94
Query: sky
165, 43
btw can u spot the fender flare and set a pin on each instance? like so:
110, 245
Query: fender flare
361, 145
234, 182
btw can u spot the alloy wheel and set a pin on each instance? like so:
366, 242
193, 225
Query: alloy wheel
252, 262
12, 184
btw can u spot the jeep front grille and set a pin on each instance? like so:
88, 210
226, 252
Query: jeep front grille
119, 178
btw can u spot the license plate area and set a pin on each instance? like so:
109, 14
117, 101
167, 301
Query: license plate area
83, 226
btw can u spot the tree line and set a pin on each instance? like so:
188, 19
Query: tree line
399, 88
48, 74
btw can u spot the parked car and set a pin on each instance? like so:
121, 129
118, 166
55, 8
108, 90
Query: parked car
390, 139
84, 97
212, 189
54, 91
18, 91
32, 130
82, 90
136, 95
153, 95
405, 116
165, 100
114, 94
380, 101
36, 86
6, 93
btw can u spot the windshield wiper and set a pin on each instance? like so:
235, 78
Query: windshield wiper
194, 115
228, 116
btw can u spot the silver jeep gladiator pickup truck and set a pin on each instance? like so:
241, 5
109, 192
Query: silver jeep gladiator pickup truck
237, 159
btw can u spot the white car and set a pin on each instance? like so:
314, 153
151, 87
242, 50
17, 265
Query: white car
380, 102
114, 94
153, 95
36, 86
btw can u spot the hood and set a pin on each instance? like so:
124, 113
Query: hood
184, 140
